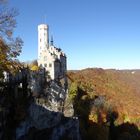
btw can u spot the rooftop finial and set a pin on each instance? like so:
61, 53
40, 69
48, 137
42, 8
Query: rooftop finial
51, 40
45, 17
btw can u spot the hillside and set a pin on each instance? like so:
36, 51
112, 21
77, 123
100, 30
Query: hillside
121, 89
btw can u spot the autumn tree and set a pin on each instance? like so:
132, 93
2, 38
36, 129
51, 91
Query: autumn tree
73, 90
10, 46
34, 65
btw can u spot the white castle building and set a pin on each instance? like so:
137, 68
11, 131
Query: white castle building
49, 56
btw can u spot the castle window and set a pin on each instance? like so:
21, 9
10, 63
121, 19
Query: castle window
45, 65
45, 58
50, 65
40, 39
56, 56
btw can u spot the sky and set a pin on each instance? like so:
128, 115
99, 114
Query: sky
92, 33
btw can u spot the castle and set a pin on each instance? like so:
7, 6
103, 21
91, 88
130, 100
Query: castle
49, 56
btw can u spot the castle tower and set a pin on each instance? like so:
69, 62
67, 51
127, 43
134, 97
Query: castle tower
43, 38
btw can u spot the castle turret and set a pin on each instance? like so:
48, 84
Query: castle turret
43, 38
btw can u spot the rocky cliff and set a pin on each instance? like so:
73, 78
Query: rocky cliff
42, 123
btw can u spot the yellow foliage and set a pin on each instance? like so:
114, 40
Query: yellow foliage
93, 118
126, 118
73, 91
34, 68
84, 97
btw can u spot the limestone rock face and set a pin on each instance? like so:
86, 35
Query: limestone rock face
67, 129
43, 118
47, 112
44, 124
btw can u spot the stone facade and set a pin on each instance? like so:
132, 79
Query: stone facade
49, 56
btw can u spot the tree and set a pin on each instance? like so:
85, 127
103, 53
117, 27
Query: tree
10, 46
34, 68
33, 63
73, 90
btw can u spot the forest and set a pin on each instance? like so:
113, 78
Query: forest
106, 102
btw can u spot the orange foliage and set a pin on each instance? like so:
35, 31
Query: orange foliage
121, 89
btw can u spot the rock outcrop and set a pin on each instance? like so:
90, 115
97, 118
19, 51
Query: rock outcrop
45, 124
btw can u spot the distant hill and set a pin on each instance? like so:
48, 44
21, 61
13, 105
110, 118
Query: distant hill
120, 87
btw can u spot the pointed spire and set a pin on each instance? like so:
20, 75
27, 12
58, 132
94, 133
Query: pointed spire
51, 40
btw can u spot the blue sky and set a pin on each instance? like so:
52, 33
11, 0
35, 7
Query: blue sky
93, 33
